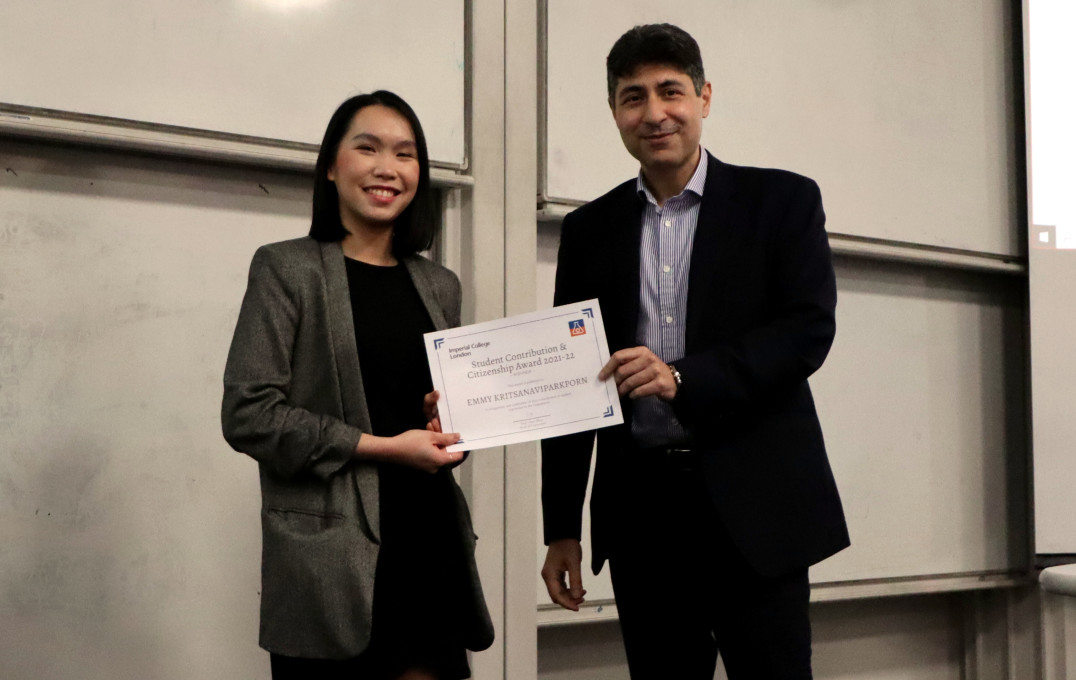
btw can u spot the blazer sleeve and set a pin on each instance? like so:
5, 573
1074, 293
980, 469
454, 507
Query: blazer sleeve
566, 459
792, 341
257, 417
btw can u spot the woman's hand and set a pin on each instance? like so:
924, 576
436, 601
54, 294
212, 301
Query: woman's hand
429, 407
425, 450
421, 449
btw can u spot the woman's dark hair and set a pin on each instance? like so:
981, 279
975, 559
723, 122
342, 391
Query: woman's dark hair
416, 226
651, 44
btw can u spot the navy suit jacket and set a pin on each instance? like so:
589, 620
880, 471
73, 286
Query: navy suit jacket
760, 320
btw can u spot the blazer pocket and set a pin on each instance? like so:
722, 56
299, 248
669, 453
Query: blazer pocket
303, 521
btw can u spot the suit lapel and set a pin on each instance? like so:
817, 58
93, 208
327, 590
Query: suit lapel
711, 248
346, 356
625, 230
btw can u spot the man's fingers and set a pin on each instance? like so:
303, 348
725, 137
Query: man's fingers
554, 585
575, 579
559, 593
644, 373
609, 368
562, 559
619, 359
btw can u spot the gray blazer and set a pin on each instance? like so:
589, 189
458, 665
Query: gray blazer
294, 401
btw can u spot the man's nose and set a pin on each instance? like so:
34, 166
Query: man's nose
654, 112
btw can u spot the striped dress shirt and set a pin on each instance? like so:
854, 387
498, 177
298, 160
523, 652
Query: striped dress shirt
668, 232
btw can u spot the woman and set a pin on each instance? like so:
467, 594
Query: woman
367, 548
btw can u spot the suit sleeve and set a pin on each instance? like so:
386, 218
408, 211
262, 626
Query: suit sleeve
566, 459
792, 340
256, 416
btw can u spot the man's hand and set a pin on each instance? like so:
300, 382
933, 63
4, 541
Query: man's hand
639, 373
564, 556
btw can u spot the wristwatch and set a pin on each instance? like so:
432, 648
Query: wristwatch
677, 378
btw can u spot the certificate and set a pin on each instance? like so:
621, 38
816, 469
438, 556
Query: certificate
524, 377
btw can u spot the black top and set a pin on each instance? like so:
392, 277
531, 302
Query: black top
389, 322
421, 573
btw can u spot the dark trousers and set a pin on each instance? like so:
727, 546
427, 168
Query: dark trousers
685, 594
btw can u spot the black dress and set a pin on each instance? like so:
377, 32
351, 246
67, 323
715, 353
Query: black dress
421, 581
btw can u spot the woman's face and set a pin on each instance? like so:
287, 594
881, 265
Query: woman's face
376, 170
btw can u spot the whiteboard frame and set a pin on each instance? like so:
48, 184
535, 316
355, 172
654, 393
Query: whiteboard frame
167, 140
597, 611
871, 248
272, 150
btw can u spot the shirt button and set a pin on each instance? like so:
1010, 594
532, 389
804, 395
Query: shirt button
668, 319
668, 223
666, 269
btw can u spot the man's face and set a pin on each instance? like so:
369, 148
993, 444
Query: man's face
660, 117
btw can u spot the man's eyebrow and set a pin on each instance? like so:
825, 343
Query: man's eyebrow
631, 89
670, 83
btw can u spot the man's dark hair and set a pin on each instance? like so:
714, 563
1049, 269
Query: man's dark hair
654, 44
416, 226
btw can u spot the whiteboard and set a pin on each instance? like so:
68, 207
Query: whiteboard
902, 111
266, 68
130, 529
1050, 59
922, 405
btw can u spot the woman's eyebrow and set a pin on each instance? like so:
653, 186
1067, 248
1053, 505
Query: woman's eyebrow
374, 139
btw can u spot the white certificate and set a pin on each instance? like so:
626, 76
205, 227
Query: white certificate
524, 377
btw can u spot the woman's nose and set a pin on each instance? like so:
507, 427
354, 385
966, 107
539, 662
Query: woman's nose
384, 168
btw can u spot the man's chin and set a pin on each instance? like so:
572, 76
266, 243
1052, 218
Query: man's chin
663, 161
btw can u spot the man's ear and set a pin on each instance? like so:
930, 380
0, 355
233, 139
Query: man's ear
707, 95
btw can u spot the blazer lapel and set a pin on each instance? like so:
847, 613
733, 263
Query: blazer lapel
710, 250
425, 287
346, 355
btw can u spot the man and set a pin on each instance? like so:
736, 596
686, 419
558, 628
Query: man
718, 294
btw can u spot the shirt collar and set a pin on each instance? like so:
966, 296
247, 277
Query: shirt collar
695, 185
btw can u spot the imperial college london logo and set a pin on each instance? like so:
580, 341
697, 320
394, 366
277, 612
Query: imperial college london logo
577, 327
